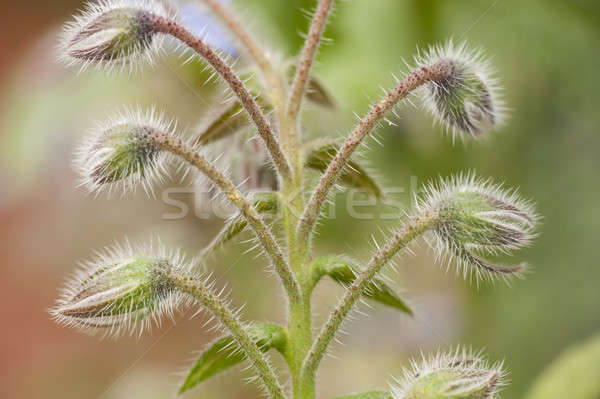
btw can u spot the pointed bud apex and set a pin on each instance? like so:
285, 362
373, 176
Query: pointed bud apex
112, 33
477, 218
457, 375
120, 152
466, 99
118, 290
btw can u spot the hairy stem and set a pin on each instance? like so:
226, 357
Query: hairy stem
414, 228
315, 34
263, 233
219, 309
364, 127
261, 59
263, 126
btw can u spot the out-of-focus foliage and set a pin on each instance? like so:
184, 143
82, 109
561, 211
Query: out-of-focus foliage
575, 374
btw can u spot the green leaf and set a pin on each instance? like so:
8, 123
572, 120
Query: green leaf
575, 374
344, 272
264, 203
225, 353
315, 90
319, 154
228, 121
368, 395
318, 94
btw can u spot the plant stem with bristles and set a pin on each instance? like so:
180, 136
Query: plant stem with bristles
263, 126
263, 233
219, 309
413, 229
315, 34
253, 48
364, 128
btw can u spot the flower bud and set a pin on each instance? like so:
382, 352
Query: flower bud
118, 290
477, 218
466, 98
120, 152
457, 375
112, 32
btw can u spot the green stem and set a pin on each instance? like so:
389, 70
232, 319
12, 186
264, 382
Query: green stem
311, 45
409, 232
219, 309
300, 316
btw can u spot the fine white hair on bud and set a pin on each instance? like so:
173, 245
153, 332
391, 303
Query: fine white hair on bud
118, 153
458, 374
113, 33
475, 219
122, 289
467, 100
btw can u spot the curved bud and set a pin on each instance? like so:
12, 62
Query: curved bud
113, 33
476, 218
121, 289
461, 374
466, 100
119, 153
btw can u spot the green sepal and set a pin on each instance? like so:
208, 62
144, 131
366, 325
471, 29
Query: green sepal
267, 202
319, 153
344, 272
368, 395
224, 353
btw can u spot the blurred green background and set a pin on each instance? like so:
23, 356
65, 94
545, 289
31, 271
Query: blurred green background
546, 53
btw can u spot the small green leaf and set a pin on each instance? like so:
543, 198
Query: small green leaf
315, 90
228, 121
319, 154
368, 395
344, 272
318, 94
264, 203
224, 353
575, 374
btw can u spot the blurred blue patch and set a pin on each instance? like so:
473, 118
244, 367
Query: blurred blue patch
200, 21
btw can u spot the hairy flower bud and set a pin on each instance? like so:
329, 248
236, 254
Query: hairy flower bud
466, 100
456, 375
120, 153
477, 218
119, 289
112, 33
